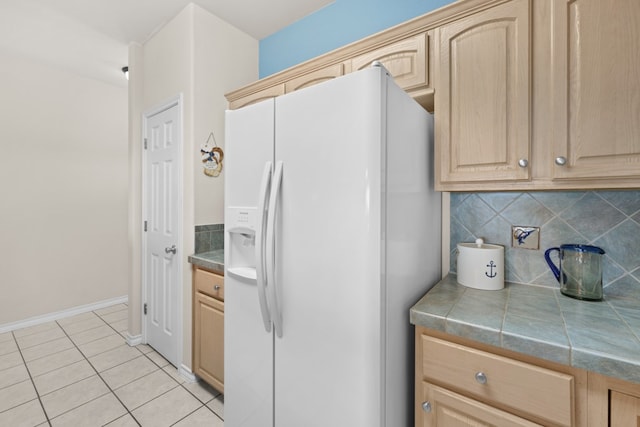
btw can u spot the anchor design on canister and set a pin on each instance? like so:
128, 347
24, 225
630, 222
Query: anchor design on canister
491, 266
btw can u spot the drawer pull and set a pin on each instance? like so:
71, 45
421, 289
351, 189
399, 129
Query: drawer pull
481, 378
426, 406
216, 287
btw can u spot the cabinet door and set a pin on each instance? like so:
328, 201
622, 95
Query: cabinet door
315, 77
482, 96
406, 60
625, 410
596, 88
208, 342
444, 408
267, 93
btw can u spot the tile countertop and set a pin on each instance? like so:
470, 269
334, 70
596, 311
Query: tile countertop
212, 260
602, 337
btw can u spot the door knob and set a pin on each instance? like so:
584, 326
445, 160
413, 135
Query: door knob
172, 249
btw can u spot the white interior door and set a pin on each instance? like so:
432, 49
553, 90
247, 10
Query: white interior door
162, 251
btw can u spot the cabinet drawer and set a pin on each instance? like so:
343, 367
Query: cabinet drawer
524, 388
209, 283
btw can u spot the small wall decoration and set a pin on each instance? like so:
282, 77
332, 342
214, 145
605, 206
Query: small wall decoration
212, 156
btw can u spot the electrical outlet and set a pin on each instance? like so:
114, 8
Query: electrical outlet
524, 237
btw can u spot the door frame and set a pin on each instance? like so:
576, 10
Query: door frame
176, 101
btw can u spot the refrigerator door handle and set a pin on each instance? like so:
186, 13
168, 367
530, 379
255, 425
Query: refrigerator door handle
270, 260
261, 277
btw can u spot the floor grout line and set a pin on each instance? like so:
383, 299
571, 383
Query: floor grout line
151, 355
103, 380
33, 384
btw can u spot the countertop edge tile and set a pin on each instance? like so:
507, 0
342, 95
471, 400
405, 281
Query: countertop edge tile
534, 342
541, 349
431, 321
628, 370
479, 333
213, 260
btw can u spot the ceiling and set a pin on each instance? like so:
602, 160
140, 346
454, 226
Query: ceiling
91, 37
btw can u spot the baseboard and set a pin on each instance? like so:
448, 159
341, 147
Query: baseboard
133, 340
186, 373
32, 321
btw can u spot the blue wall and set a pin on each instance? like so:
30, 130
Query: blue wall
336, 25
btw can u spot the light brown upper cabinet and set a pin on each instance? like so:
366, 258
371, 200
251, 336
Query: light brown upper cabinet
539, 95
406, 57
527, 94
315, 77
596, 89
482, 96
407, 60
257, 96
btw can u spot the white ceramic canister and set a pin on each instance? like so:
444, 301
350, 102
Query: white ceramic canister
481, 265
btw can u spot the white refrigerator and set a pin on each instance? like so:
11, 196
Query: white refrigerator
332, 232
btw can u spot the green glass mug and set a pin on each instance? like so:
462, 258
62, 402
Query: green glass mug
579, 272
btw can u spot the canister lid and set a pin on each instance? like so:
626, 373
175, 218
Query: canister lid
479, 244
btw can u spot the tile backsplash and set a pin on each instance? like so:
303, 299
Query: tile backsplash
609, 219
209, 237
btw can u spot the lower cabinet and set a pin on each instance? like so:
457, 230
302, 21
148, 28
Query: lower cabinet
613, 402
461, 384
208, 327
625, 409
443, 407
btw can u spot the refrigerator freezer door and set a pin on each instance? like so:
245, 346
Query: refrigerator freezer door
328, 254
248, 347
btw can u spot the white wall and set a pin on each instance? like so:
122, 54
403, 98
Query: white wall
201, 57
63, 187
225, 59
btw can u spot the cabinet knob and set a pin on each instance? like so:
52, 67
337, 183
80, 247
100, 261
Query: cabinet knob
561, 161
481, 378
523, 163
216, 287
426, 406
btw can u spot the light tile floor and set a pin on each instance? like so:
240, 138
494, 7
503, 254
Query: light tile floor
79, 371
